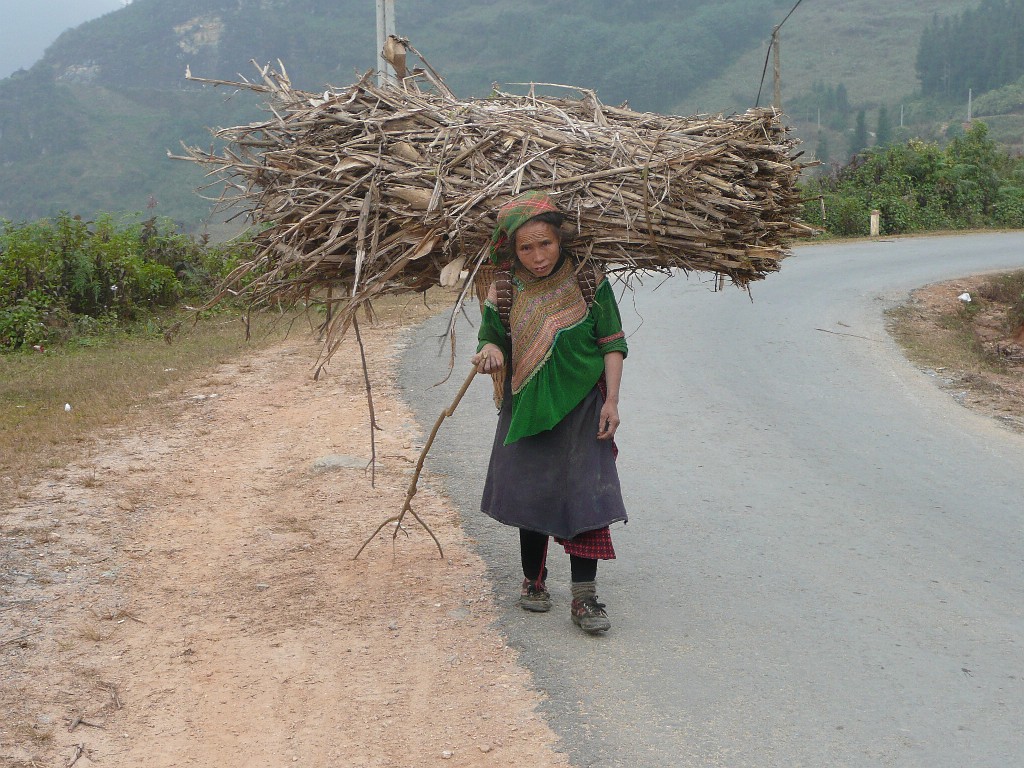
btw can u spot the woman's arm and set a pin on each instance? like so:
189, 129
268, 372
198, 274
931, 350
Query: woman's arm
609, 421
492, 339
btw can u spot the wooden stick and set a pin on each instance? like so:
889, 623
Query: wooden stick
407, 506
369, 402
79, 751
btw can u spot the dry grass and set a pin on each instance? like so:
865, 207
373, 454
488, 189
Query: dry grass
109, 386
106, 386
949, 343
1007, 289
382, 190
92, 632
31, 733
948, 339
114, 613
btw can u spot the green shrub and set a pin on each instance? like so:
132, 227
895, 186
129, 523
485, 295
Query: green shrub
24, 322
918, 186
65, 276
1009, 207
846, 216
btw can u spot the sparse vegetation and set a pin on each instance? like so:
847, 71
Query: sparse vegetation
93, 633
1009, 290
106, 385
951, 341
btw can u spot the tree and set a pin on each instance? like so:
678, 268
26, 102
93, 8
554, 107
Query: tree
842, 100
883, 134
979, 49
821, 153
859, 140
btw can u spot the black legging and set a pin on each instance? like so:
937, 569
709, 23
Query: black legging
533, 547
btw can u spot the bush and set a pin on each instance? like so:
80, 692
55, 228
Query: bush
66, 273
919, 186
1009, 207
846, 216
24, 323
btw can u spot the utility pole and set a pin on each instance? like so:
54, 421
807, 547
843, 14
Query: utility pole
777, 67
969, 105
385, 27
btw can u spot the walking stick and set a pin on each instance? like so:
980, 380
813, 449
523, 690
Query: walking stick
407, 506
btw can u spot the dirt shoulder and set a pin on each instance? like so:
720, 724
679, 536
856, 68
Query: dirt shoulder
968, 347
186, 595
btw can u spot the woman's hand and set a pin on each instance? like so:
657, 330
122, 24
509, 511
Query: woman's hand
609, 420
489, 359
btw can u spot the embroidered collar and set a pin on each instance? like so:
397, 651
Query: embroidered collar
542, 308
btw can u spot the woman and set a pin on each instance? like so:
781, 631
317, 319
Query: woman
555, 327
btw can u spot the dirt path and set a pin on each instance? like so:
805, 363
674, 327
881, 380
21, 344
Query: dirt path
189, 594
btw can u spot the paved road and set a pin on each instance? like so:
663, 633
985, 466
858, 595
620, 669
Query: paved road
825, 559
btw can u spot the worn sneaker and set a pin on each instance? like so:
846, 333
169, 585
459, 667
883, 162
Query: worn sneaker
589, 615
534, 597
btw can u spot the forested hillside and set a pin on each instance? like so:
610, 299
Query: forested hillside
981, 49
88, 127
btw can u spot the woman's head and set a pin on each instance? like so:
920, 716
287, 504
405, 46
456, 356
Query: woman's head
529, 225
537, 246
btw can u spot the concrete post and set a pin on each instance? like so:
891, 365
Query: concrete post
385, 27
875, 222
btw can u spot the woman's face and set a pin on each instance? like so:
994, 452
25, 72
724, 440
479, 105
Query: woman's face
537, 247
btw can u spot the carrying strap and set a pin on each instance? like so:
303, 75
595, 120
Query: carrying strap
585, 278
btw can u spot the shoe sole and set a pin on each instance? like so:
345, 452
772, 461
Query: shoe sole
535, 606
593, 625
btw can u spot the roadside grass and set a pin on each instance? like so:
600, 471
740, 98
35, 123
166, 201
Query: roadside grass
115, 381
1007, 289
951, 342
951, 345
106, 385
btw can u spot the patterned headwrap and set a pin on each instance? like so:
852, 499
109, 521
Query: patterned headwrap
513, 214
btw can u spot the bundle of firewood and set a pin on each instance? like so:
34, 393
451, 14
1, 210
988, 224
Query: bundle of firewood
374, 190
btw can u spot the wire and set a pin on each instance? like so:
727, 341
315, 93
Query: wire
775, 32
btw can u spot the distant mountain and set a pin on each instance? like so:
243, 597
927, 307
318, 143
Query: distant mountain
868, 46
87, 128
25, 32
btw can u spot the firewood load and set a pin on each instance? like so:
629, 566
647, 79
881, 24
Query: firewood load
376, 190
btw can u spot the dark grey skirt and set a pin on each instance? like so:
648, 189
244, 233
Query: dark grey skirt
561, 482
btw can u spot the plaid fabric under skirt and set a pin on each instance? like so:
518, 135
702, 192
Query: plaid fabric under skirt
562, 482
594, 545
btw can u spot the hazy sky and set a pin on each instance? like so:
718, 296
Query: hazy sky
27, 27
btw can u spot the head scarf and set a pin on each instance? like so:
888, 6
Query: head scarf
513, 214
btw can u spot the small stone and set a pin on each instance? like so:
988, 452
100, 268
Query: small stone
336, 462
447, 754
262, 587
485, 748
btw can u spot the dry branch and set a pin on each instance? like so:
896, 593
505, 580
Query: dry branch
376, 190
411, 491
373, 190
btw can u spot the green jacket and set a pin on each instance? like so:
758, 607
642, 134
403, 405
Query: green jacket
572, 367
